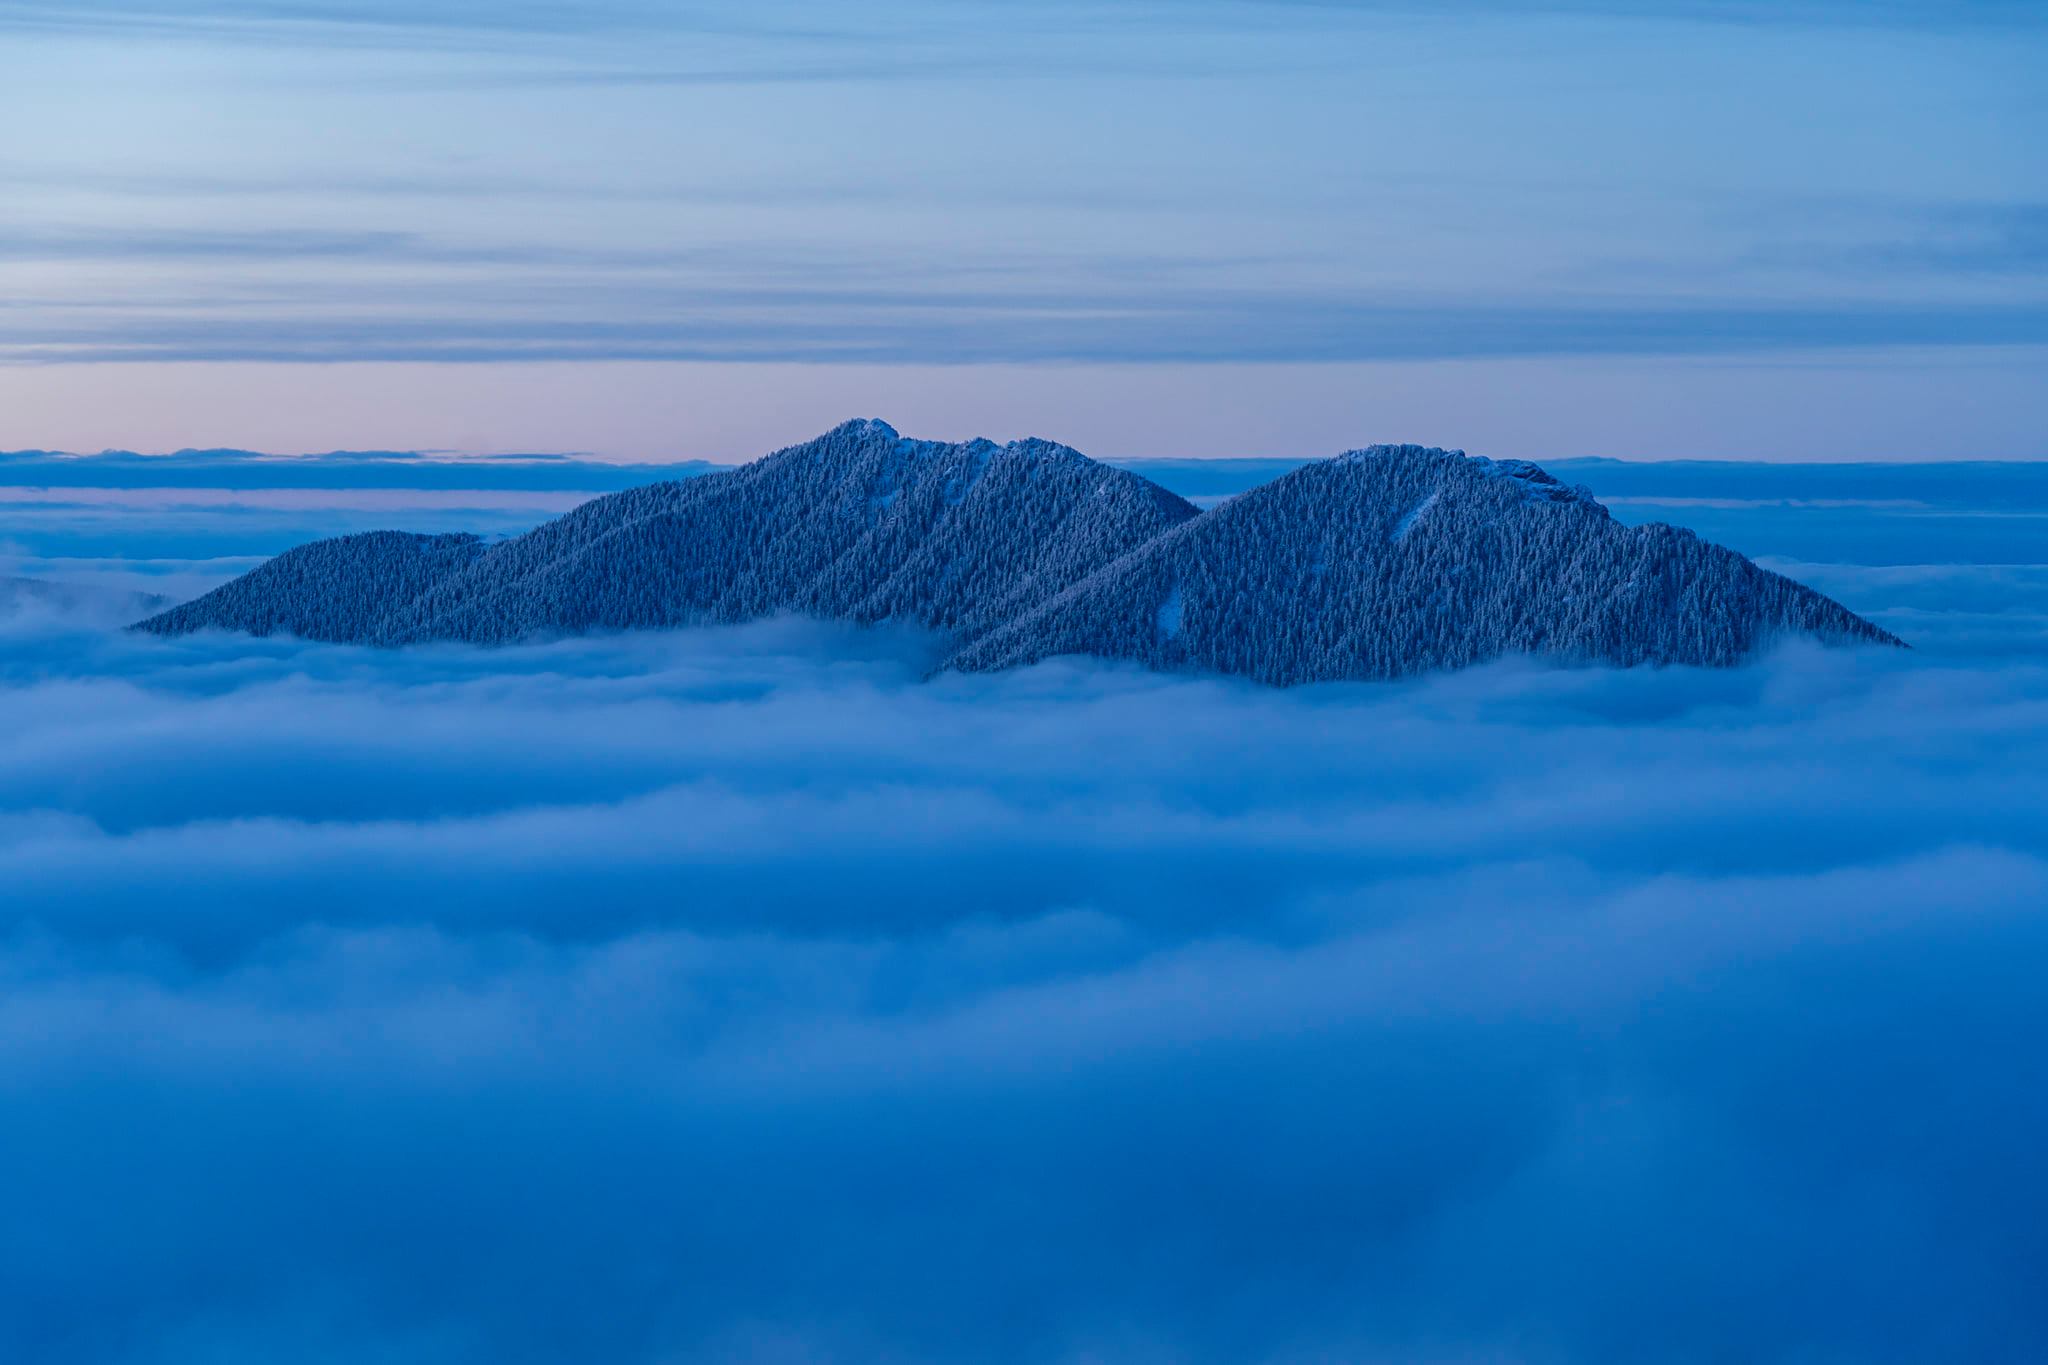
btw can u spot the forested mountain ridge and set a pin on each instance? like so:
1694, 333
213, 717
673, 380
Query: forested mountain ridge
338, 590
1402, 559
1381, 562
860, 524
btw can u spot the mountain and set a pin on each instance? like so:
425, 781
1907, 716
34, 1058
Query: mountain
860, 524
72, 602
338, 590
1381, 562
245, 469
1402, 559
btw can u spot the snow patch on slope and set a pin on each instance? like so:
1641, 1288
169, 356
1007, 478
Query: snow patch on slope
1413, 515
1169, 614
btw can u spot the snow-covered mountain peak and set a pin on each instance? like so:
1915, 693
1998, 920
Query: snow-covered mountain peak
1533, 481
861, 427
1399, 452
1038, 448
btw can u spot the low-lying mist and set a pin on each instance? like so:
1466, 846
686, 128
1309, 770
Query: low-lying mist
735, 994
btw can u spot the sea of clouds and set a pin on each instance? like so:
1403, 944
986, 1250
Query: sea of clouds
739, 994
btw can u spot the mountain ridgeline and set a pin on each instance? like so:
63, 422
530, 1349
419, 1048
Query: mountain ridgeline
1379, 563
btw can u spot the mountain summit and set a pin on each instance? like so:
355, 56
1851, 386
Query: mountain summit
1382, 562
1401, 559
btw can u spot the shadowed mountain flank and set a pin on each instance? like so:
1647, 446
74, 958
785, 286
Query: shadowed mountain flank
339, 590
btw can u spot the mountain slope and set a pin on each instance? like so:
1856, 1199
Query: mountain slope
1401, 559
337, 590
860, 524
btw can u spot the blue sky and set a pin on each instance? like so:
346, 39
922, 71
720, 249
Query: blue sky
1219, 227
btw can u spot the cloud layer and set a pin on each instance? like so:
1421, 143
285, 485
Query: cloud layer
732, 994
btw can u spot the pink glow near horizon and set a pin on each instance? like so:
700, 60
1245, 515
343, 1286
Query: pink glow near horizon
1891, 407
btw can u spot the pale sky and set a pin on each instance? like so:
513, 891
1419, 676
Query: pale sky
1213, 227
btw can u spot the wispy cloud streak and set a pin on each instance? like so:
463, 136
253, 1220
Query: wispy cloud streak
924, 327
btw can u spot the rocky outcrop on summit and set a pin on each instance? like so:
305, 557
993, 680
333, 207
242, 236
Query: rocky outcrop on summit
1402, 559
860, 524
